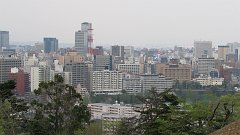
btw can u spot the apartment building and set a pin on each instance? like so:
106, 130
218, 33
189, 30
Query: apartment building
159, 82
131, 68
106, 81
178, 72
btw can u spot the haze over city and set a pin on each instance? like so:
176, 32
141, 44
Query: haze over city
157, 23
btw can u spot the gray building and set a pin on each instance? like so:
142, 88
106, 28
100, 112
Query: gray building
205, 65
233, 46
203, 49
118, 53
80, 73
128, 51
50, 45
160, 83
132, 84
6, 63
84, 39
103, 62
39, 74
4, 39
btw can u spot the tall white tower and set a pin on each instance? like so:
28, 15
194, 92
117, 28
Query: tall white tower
84, 39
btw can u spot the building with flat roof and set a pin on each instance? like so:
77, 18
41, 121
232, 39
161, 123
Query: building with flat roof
205, 65
118, 53
80, 73
4, 39
222, 52
158, 82
131, 68
203, 49
132, 84
50, 45
103, 62
84, 39
209, 81
6, 63
22, 80
39, 74
180, 72
106, 82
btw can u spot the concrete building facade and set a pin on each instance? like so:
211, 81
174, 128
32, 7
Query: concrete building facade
205, 65
132, 84
22, 80
6, 63
203, 49
131, 68
80, 73
109, 82
39, 74
158, 82
222, 52
103, 62
4, 39
84, 39
180, 72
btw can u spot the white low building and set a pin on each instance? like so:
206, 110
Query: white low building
100, 109
209, 81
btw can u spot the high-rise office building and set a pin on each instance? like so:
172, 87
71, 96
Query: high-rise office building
4, 39
222, 52
84, 39
80, 73
118, 53
128, 51
205, 65
203, 49
50, 45
39, 74
233, 46
103, 62
6, 63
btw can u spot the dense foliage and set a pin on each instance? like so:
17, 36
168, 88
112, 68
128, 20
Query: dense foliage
165, 114
61, 111
57, 110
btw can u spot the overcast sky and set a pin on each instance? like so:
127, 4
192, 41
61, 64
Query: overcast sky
124, 22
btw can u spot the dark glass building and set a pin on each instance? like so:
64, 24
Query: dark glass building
50, 45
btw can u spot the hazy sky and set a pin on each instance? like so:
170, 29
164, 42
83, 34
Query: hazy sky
124, 22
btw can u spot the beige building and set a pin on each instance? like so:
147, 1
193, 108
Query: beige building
209, 81
131, 68
222, 52
175, 72
70, 57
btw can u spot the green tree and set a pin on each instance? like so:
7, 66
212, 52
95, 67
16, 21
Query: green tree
12, 110
61, 112
165, 114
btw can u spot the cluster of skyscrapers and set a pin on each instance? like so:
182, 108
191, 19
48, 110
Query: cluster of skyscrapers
99, 70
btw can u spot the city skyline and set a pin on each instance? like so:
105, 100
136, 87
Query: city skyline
165, 23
